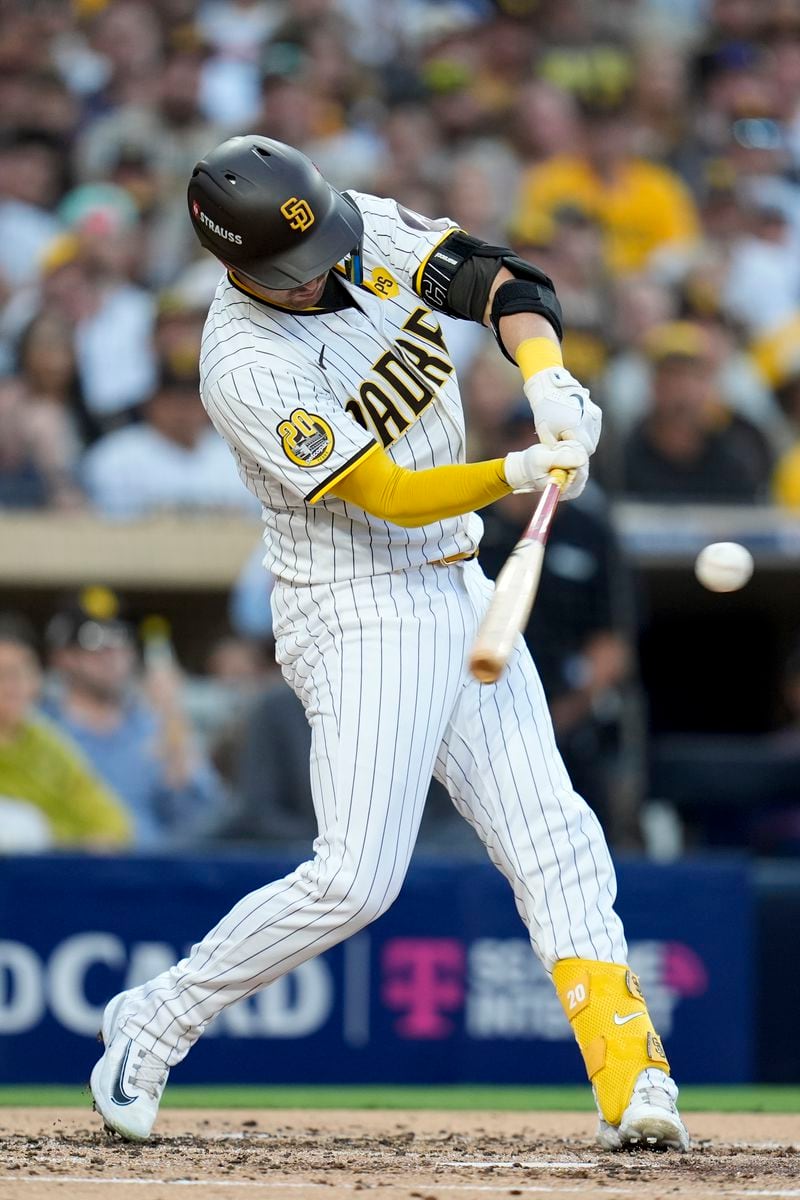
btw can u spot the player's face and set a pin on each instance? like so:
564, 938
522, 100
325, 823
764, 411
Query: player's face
299, 297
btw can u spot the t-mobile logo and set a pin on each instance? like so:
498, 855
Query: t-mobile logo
424, 978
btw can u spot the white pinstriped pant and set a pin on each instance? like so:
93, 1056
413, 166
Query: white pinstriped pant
379, 664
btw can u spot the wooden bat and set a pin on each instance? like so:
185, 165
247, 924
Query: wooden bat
515, 589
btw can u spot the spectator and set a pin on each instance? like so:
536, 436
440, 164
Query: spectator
162, 123
270, 776
545, 122
54, 413
164, 120
764, 262
110, 57
235, 671
179, 330
235, 30
131, 728
113, 340
412, 152
30, 167
478, 185
575, 253
35, 453
687, 449
172, 460
778, 358
39, 766
642, 207
639, 304
85, 281
642, 306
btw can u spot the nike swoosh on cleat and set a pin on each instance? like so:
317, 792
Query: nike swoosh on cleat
118, 1093
618, 1020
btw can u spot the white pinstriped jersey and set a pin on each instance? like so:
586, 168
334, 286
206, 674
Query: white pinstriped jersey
301, 396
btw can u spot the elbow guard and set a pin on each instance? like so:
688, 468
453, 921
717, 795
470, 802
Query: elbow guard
457, 278
531, 292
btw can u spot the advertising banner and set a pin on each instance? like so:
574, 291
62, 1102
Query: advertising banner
444, 988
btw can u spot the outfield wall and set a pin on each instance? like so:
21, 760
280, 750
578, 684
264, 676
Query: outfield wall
444, 988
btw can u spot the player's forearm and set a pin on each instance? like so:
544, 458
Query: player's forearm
413, 498
517, 328
561, 407
528, 337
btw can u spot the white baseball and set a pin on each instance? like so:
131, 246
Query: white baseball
724, 566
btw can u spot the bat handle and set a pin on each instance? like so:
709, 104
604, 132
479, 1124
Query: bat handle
560, 476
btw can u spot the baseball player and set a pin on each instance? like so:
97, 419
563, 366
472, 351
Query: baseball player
324, 367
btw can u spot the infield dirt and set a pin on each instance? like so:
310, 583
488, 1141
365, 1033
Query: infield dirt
64, 1154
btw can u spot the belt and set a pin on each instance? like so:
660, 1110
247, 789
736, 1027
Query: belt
464, 556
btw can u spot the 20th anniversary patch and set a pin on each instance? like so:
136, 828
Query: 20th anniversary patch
307, 438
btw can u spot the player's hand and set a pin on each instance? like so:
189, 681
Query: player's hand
529, 470
563, 409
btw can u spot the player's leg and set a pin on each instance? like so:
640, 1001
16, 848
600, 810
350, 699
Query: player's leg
501, 765
377, 666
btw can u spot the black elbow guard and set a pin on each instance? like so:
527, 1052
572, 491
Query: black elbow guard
457, 276
531, 292
457, 279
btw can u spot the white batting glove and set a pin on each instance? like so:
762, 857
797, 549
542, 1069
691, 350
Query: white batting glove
529, 470
563, 409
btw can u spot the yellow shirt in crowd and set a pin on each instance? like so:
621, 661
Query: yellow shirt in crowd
642, 209
786, 483
39, 766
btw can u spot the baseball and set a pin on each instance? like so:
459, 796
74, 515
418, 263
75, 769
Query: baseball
724, 566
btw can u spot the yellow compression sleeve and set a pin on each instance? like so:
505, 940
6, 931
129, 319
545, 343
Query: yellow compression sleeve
536, 354
410, 498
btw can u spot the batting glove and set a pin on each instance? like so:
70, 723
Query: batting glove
529, 470
563, 409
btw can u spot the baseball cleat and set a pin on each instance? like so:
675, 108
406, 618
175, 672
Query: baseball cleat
651, 1121
128, 1081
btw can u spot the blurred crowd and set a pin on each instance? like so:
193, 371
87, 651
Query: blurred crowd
645, 153
107, 743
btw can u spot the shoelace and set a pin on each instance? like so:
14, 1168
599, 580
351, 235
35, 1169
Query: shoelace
148, 1074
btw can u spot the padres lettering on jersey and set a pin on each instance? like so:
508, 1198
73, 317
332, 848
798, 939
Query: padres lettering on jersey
410, 378
302, 397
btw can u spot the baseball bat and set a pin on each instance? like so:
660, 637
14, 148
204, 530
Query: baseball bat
515, 589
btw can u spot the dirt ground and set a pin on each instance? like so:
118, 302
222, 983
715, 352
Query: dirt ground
64, 1154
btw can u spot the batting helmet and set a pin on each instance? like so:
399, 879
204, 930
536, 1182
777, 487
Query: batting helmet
264, 210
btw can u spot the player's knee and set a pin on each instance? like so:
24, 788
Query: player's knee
366, 900
353, 893
361, 897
